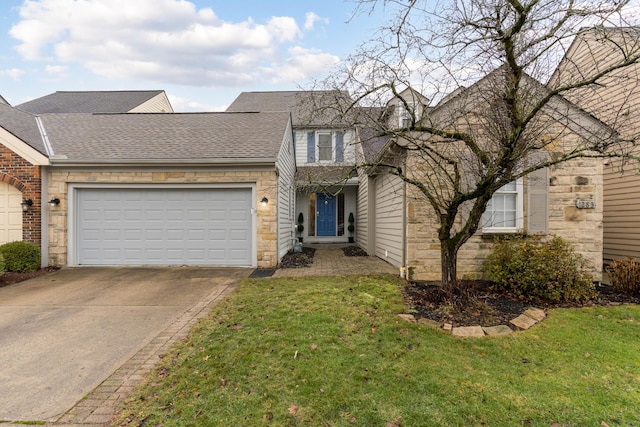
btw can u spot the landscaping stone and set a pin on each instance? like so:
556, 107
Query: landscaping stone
468, 331
523, 322
408, 317
447, 326
497, 330
535, 313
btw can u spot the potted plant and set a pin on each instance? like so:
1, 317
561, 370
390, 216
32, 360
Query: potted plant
300, 226
351, 227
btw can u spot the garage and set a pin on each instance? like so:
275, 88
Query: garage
164, 226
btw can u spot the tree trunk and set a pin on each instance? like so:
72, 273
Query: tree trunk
449, 265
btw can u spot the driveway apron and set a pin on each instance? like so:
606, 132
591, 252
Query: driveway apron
64, 333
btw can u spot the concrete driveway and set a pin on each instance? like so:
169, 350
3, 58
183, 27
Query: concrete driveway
63, 334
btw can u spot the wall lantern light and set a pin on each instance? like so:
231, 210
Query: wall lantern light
54, 202
26, 204
264, 201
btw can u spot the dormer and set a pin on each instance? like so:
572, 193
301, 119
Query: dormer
408, 107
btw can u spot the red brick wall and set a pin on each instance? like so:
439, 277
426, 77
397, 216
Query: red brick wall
24, 176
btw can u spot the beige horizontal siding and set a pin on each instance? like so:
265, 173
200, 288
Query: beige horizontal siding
389, 219
362, 209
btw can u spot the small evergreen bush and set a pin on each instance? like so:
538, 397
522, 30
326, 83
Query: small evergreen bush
528, 267
20, 257
3, 267
625, 276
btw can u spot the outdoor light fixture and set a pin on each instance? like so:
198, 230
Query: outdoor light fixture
264, 201
26, 204
54, 202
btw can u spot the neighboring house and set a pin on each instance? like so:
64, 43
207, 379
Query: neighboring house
326, 183
401, 227
615, 100
126, 101
151, 188
20, 176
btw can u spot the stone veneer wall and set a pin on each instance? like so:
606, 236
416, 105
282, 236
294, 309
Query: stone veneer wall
580, 179
265, 182
18, 172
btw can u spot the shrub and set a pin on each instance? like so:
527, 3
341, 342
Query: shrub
528, 267
20, 257
3, 267
625, 276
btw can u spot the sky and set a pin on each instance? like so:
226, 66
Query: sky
203, 53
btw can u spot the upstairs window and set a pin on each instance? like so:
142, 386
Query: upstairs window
325, 146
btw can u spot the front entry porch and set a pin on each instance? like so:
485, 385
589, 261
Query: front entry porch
325, 215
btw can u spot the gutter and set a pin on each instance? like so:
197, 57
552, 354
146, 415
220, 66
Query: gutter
257, 162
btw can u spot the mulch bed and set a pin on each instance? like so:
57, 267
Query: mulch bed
298, 259
354, 251
9, 277
487, 307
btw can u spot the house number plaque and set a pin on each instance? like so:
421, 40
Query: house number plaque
585, 204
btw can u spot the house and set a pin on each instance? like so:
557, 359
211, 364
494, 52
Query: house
615, 100
402, 229
326, 184
119, 187
123, 188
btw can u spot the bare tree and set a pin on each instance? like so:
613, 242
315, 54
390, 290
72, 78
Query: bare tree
480, 62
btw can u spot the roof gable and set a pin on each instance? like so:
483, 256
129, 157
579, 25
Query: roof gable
477, 96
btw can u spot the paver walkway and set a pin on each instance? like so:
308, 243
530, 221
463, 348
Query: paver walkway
329, 260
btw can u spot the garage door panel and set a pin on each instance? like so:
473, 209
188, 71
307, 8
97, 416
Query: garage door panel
164, 227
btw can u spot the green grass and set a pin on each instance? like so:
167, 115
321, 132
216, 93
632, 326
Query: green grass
333, 352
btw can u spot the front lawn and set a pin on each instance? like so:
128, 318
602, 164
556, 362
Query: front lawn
331, 351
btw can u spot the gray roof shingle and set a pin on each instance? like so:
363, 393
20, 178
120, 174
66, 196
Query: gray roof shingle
22, 125
324, 174
89, 102
166, 136
308, 108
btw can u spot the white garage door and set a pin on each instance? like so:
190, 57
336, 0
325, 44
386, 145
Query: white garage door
164, 226
10, 213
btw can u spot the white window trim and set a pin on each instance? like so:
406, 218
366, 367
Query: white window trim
519, 213
333, 146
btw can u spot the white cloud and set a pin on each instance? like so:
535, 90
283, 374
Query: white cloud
305, 62
311, 19
14, 73
183, 105
167, 41
56, 69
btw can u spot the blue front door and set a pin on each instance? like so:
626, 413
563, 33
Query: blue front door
326, 220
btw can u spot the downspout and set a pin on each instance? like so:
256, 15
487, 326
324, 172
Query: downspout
44, 216
404, 270
44, 195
